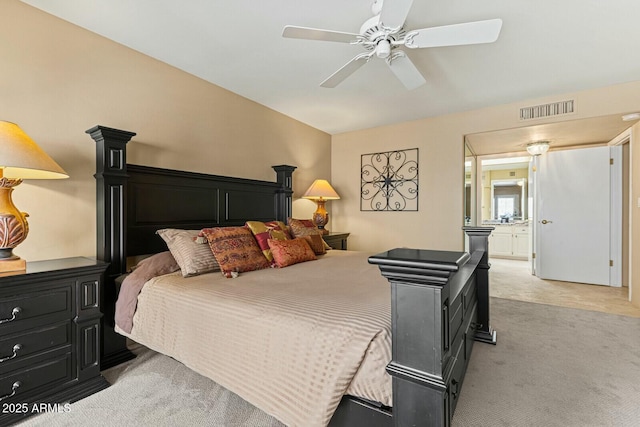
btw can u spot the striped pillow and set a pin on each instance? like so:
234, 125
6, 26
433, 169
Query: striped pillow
192, 257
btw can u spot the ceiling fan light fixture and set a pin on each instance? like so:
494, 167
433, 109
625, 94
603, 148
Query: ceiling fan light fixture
383, 49
537, 148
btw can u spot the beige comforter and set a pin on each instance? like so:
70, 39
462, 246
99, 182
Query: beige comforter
291, 341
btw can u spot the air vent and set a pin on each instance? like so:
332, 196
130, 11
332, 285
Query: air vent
547, 110
512, 173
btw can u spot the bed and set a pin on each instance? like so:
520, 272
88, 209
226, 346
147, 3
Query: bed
387, 344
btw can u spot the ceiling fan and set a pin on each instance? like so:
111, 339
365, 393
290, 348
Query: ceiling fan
384, 33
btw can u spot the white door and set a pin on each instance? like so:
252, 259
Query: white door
572, 215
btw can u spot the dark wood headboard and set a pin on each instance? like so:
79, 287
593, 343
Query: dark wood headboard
161, 198
134, 201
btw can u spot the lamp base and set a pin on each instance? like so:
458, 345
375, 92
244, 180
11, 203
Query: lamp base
323, 230
15, 265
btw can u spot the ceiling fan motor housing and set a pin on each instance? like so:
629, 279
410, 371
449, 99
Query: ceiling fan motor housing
375, 37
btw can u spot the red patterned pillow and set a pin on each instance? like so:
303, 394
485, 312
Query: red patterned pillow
235, 249
289, 252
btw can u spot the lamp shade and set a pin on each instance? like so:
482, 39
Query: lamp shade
538, 148
321, 189
22, 158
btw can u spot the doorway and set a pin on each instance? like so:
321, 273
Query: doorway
564, 135
621, 210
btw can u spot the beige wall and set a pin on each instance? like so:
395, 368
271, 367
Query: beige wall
58, 80
437, 224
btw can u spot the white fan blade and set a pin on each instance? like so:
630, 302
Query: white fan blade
454, 35
349, 68
394, 13
404, 70
316, 34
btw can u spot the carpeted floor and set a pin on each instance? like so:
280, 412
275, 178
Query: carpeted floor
552, 367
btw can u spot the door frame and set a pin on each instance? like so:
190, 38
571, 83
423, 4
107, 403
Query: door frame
616, 209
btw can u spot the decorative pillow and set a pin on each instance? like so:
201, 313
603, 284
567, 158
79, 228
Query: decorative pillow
282, 226
263, 231
235, 249
305, 227
316, 243
193, 258
289, 252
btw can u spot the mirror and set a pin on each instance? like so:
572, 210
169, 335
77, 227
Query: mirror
504, 189
469, 186
509, 199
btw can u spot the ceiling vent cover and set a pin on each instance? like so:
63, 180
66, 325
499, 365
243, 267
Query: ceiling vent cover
547, 110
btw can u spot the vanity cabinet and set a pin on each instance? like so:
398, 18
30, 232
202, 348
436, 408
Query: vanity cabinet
510, 241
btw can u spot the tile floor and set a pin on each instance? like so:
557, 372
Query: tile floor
511, 279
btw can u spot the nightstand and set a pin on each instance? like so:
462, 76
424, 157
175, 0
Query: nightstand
49, 335
336, 240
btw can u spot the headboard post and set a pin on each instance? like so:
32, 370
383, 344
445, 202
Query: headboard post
111, 185
111, 198
284, 195
479, 241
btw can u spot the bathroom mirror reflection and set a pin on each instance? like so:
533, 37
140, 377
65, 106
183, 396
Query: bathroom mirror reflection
509, 199
504, 190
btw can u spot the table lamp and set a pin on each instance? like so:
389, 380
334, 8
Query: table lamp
321, 191
20, 158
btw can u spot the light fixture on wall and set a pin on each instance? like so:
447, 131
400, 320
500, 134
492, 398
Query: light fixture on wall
20, 158
537, 148
321, 191
631, 117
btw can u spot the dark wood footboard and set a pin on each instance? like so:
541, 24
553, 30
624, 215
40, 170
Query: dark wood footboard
436, 314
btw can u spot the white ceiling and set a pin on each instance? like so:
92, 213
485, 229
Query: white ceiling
546, 47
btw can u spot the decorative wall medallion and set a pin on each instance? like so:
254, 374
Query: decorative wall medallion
389, 181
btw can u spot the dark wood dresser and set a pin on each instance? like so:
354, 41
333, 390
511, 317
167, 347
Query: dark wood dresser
49, 336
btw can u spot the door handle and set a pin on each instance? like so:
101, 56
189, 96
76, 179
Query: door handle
544, 221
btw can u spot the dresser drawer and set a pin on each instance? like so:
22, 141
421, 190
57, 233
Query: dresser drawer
27, 309
19, 384
15, 347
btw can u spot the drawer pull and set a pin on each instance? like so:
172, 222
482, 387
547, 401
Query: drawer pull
16, 349
14, 390
14, 315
